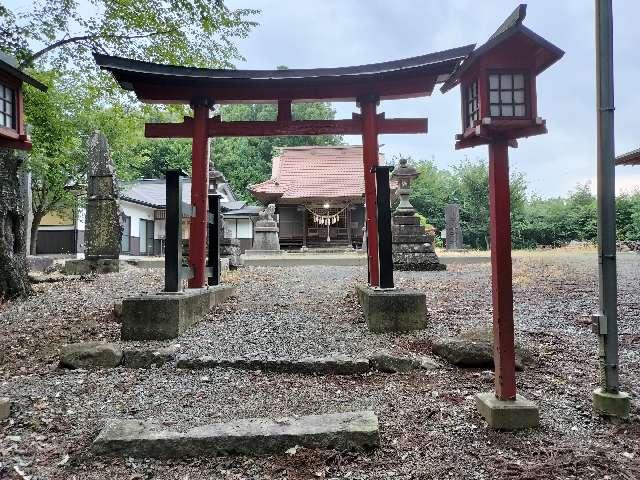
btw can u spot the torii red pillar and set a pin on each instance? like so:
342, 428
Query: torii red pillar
501, 282
199, 192
368, 106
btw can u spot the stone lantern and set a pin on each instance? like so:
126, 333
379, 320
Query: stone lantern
412, 246
404, 174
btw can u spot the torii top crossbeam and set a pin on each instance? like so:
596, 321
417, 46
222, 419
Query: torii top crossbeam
201, 88
406, 78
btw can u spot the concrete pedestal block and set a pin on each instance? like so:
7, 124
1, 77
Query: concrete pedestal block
611, 404
167, 315
396, 310
508, 414
86, 267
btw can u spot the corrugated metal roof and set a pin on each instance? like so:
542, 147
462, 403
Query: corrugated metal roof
315, 173
152, 193
629, 158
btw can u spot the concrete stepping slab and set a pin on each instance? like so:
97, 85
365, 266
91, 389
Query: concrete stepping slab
252, 436
330, 365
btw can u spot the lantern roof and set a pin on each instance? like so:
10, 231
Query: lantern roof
405, 78
404, 170
9, 65
545, 53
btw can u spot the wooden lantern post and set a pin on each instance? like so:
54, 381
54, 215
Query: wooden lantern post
501, 278
499, 105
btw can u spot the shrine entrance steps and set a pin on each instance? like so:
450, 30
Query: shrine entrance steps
287, 259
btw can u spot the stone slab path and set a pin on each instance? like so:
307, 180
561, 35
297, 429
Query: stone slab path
252, 436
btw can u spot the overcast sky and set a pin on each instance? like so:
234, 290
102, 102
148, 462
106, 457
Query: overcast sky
314, 33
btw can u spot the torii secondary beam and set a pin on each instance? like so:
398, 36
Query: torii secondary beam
353, 126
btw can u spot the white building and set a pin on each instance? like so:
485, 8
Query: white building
142, 204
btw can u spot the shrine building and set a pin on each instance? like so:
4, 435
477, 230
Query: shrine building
319, 195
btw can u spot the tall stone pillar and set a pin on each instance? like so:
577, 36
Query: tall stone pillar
103, 231
452, 227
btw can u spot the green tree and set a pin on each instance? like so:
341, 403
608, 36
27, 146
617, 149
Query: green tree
65, 32
582, 213
54, 39
628, 216
56, 155
431, 191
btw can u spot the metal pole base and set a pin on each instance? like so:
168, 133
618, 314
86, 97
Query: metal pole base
611, 404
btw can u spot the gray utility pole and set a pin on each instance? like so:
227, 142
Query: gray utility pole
607, 399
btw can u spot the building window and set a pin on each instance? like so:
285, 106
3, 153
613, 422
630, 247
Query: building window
507, 95
7, 107
473, 111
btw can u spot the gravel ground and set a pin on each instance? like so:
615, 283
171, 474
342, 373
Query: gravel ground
429, 425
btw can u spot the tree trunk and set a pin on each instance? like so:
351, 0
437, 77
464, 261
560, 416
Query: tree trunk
14, 281
35, 224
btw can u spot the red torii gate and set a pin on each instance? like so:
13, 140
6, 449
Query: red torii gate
201, 88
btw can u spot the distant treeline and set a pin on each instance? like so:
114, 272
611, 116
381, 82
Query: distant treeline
535, 221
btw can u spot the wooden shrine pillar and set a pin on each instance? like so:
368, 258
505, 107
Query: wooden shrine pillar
304, 226
347, 216
368, 106
199, 192
501, 281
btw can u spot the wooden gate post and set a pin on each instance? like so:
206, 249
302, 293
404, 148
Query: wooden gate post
199, 192
368, 106
501, 281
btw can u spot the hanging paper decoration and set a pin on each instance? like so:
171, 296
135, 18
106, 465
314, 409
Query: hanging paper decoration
326, 219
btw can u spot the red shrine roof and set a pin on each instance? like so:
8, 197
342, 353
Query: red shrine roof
314, 174
629, 158
406, 78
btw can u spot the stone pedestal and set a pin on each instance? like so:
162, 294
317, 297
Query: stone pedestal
412, 247
265, 234
230, 250
611, 404
89, 266
167, 315
393, 310
508, 414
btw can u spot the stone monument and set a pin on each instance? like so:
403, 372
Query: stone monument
452, 227
265, 236
412, 245
229, 246
103, 233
